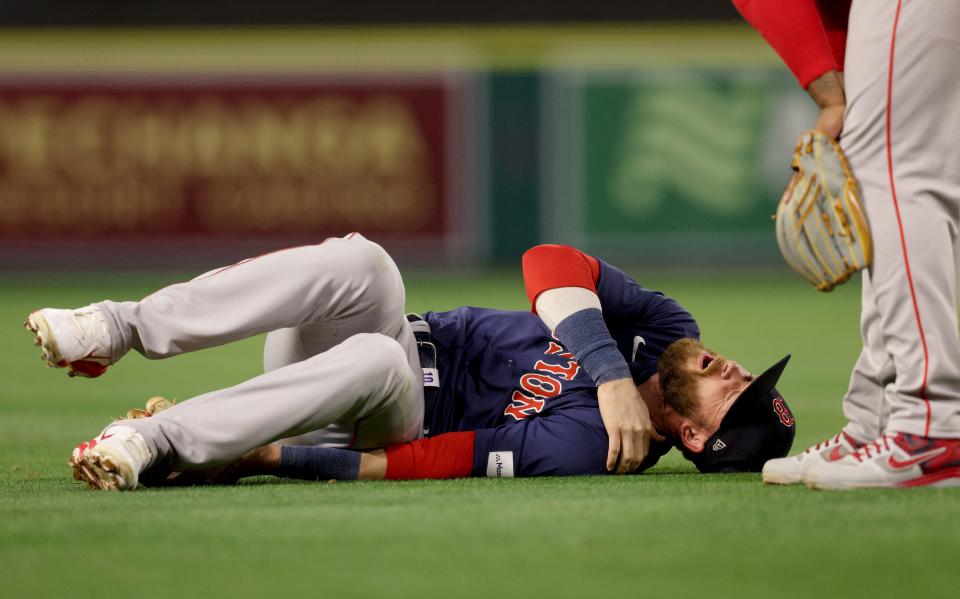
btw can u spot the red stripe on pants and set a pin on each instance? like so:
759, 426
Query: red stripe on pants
896, 208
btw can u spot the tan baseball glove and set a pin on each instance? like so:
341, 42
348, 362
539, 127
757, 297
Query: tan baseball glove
821, 227
154, 405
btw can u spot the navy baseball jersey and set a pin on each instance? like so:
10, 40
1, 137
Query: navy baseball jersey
531, 405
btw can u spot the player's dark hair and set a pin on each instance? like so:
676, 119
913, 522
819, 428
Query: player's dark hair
678, 384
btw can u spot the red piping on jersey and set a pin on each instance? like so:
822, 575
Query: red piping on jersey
903, 239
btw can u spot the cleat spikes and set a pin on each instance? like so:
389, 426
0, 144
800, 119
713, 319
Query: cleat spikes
83, 473
112, 462
90, 475
94, 473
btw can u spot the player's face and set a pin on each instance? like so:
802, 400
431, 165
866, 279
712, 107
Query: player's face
721, 381
701, 384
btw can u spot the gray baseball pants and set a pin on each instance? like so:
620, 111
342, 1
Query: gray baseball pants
901, 134
340, 358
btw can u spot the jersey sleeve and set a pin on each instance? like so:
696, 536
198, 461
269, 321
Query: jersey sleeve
551, 266
809, 42
449, 455
565, 443
568, 442
642, 322
835, 15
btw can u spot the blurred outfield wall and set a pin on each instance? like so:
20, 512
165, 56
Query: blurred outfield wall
647, 143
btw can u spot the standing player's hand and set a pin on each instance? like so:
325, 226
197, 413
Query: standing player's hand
628, 424
827, 91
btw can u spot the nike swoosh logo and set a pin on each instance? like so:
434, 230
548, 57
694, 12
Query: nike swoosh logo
893, 462
105, 436
637, 342
835, 454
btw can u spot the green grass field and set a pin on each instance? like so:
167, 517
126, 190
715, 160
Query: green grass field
669, 533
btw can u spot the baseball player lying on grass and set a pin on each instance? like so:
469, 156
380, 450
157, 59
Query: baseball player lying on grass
605, 376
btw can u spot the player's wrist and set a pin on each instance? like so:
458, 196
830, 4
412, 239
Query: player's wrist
613, 384
827, 90
318, 463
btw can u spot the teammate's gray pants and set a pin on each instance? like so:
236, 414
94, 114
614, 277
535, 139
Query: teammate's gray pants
907, 378
341, 359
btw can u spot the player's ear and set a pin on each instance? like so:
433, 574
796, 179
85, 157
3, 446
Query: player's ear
692, 436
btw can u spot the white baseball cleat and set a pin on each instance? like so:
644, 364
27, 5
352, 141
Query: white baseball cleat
113, 460
897, 460
792, 470
75, 339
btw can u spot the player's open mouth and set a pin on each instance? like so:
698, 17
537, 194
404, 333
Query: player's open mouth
705, 360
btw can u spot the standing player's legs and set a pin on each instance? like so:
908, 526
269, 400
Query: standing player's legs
909, 171
903, 89
863, 143
864, 405
956, 261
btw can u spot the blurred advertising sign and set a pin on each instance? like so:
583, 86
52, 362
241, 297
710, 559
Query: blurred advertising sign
667, 163
221, 158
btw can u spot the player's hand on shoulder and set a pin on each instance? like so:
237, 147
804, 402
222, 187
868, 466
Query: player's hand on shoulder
628, 425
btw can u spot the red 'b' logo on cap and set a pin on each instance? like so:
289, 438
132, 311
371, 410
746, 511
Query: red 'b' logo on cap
780, 407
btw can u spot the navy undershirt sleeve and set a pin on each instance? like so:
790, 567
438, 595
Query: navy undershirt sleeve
318, 463
585, 334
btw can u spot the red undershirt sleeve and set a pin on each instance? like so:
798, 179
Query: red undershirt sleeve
797, 31
551, 266
449, 455
835, 14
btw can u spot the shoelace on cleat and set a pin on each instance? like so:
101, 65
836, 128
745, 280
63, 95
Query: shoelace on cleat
876, 447
824, 444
